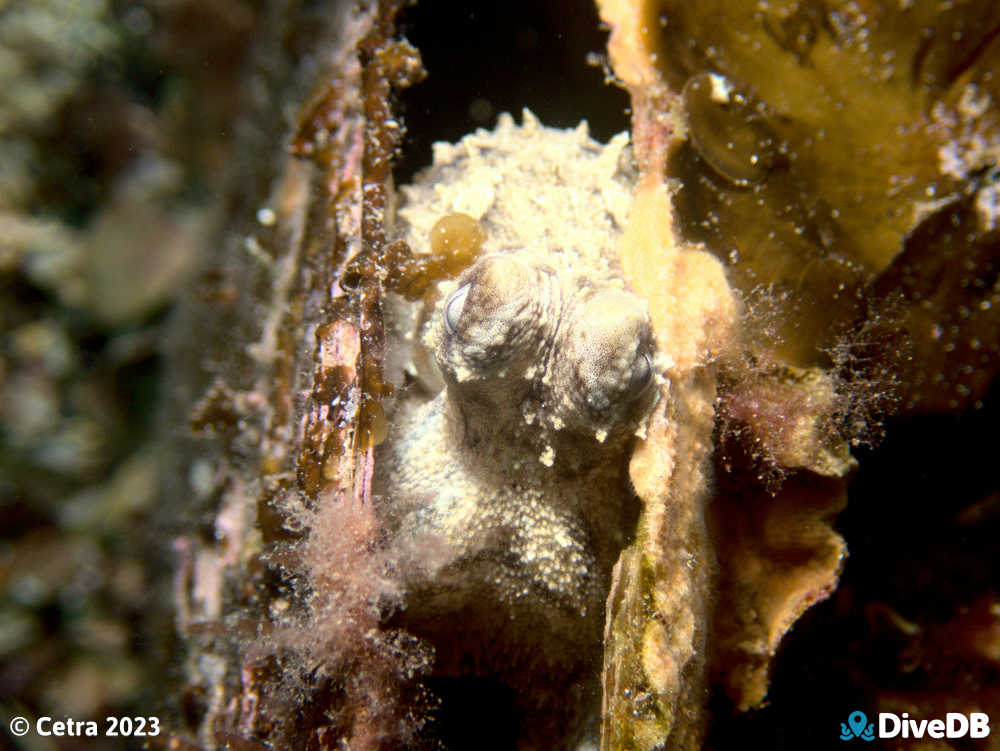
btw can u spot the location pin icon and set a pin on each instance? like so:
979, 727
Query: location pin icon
857, 721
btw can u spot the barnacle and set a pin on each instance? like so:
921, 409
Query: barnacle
726, 129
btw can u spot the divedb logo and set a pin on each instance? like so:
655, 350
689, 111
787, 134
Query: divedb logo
954, 725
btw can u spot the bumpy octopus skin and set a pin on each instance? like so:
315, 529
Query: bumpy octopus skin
506, 495
509, 487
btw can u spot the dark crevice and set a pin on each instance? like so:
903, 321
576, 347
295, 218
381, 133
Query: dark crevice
921, 525
474, 713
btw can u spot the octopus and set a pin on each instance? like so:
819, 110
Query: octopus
527, 379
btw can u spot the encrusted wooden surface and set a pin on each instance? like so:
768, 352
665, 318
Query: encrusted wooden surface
281, 650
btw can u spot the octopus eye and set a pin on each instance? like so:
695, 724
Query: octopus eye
453, 308
642, 375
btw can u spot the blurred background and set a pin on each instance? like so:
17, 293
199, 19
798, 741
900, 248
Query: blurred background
115, 133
